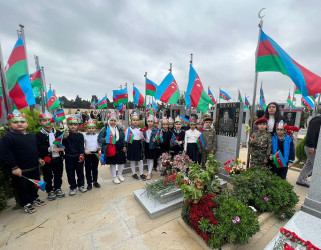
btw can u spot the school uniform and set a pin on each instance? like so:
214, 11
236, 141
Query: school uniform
91, 160
164, 147
179, 136
190, 146
134, 151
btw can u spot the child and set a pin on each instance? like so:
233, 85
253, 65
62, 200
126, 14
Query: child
92, 147
209, 137
134, 152
283, 142
156, 123
120, 157
260, 143
170, 124
19, 153
199, 125
179, 136
74, 158
191, 136
150, 145
164, 146
53, 169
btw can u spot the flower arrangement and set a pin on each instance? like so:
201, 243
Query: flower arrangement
165, 164
235, 166
162, 186
180, 163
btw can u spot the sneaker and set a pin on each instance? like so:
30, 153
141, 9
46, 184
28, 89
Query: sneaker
29, 209
96, 185
82, 189
89, 187
116, 180
143, 177
303, 184
149, 176
121, 177
72, 192
59, 193
38, 203
51, 196
135, 176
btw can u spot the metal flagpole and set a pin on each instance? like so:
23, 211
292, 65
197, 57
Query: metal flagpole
22, 34
145, 96
4, 85
41, 90
45, 85
255, 87
191, 61
219, 92
293, 94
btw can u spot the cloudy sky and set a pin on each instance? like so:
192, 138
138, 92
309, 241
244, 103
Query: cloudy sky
92, 47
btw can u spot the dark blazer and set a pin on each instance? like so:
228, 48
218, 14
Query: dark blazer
43, 143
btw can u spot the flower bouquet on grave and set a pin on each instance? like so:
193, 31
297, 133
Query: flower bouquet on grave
165, 164
181, 163
235, 166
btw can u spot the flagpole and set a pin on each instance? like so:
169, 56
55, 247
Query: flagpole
170, 70
219, 92
145, 75
41, 90
45, 85
191, 61
4, 85
255, 86
293, 94
22, 33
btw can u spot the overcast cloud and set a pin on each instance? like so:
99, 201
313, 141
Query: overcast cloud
92, 47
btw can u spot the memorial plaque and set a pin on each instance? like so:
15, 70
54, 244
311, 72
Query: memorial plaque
292, 117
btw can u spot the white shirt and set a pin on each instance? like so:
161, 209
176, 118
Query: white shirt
51, 140
148, 134
191, 136
137, 134
91, 143
271, 122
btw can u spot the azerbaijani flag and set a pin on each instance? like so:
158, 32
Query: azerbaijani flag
93, 105
115, 101
172, 142
212, 97
185, 120
121, 95
59, 115
36, 79
58, 140
121, 108
200, 141
101, 157
308, 101
159, 137
247, 103
129, 135
151, 87
279, 160
18, 80
289, 100
240, 97
224, 95
297, 91
195, 95
262, 99
138, 97
168, 91
102, 103
271, 57
110, 138
53, 100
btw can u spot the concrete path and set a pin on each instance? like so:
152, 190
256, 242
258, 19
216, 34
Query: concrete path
108, 218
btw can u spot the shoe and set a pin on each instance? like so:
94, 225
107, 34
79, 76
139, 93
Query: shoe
149, 176
135, 176
121, 177
310, 175
89, 187
59, 193
38, 203
51, 196
72, 192
143, 177
82, 189
29, 209
116, 180
303, 184
96, 185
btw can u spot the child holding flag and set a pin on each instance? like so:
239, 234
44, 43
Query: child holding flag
92, 148
74, 156
134, 148
282, 143
19, 153
52, 154
191, 136
150, 145
164, 146
177, 139
209, 136
119, 158
170, 124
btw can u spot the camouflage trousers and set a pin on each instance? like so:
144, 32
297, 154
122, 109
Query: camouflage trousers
204, 156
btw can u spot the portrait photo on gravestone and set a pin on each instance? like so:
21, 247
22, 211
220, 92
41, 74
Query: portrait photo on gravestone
227, 117
289, 118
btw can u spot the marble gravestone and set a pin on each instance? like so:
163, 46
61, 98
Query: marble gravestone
104, 115
292, 118
212, 112
245, 122
228, 127
177, 110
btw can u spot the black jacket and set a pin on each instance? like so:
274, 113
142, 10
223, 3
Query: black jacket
74, 144
312, 136
43, 143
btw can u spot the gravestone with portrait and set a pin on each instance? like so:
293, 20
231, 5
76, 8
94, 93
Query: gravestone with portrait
104, 115
212, 112
292, 117
228, 129
177, 110
245, 124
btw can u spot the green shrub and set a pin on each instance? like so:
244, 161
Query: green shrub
100, 125
299, 151
34, 125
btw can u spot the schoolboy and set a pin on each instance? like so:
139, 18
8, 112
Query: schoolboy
209, 137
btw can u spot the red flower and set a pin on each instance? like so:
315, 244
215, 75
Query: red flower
186, 181
225, 163
244, 162
219, 187
253, 136
228, 162
164, 182
228, 169
47, 159
81, 158
233, 159
177, 137
166, 176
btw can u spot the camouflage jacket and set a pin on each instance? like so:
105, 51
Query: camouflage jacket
261, 146
209, 137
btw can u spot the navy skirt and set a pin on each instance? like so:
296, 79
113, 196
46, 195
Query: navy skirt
119, 157
134, 151
192, 151
149, 153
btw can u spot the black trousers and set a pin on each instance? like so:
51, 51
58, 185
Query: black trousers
26, 190
52, 174
91, 167
281, 172
72, 167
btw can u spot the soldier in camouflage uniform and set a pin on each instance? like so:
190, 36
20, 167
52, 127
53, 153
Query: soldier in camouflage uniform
260, 144
209, 136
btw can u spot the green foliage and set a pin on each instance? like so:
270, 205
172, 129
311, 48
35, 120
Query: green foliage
6, 188
141, 124
299, 151
265, 191
34, 125
185, 212
190, 193
100, 125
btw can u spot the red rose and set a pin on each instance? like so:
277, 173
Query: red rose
81, 158
253, 136
164, 182
244, 162
47, 159
219, 187
177, 137
233, 159
186, 181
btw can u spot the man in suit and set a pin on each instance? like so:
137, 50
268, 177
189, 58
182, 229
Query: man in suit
226, 123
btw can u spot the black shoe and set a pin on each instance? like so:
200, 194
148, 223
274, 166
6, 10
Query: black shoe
97, 185
143, 177
303, 184
135, 176
89, 187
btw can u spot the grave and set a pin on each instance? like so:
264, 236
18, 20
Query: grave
245, 122
292, 118
177, 110
212, 112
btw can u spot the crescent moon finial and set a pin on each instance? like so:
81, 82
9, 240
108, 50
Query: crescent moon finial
259, 15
